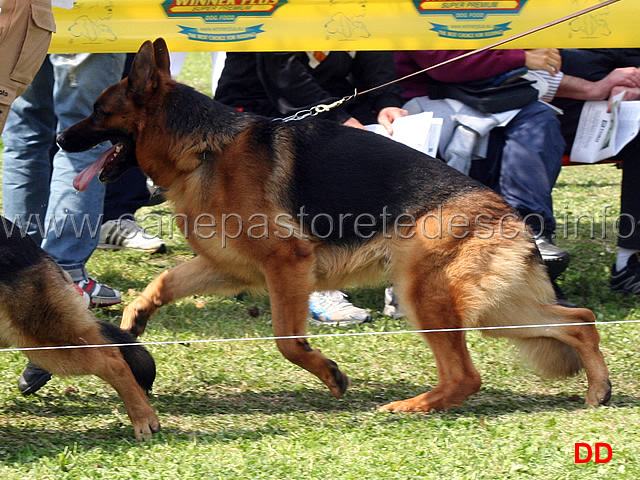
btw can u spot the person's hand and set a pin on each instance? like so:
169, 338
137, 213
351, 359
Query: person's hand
548, 59
352, 122
388, 114
629, 94
621, 79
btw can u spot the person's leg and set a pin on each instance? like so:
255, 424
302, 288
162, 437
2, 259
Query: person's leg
24, 47
27, 137
625, 274
79, 79
75, 217
629, 236
531, 162
177, 62
119, 227
217, 65
523, 162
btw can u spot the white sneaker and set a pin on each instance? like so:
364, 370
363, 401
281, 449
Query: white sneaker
391, 307
126, 233
332, 308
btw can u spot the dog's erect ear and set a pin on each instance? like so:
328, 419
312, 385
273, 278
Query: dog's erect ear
142, 71
162, 56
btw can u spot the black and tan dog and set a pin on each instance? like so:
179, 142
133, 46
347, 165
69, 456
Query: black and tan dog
40, 307
312, 205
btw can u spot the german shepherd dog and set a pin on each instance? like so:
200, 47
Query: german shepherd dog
40, 307
309, 205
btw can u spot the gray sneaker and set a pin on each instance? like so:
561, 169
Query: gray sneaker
100, 295
391, 307
332, 308
126, 233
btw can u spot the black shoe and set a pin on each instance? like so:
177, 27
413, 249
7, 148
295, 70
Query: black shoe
627, 280
555, 258
32, 379
561, 298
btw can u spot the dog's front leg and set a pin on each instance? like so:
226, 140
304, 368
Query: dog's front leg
197, 276
289, 282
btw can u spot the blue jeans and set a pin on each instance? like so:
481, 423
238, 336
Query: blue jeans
37, 184
523, 163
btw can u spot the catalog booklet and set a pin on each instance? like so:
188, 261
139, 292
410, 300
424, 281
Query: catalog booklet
603, 134
420, 131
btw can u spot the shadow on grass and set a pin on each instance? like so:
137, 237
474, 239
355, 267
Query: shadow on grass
23, 444
360, 398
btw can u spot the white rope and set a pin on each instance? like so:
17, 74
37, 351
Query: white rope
320, 335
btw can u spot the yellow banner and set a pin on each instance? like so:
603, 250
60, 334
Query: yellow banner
291, 25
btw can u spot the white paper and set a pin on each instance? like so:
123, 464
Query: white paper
601, 134
420, 131
62, 3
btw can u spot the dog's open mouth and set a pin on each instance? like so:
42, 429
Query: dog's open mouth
110, 166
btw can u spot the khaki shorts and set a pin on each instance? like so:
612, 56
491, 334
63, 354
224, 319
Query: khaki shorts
25, 33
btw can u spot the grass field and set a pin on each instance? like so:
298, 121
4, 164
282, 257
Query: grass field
238, 410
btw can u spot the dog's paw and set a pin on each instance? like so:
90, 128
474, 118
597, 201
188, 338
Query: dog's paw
415, 404
339, 382
135, 316
599, 396
145, 429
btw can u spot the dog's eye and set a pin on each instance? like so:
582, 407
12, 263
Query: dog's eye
98, 113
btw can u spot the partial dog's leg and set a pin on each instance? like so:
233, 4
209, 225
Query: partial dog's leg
457, 377
108, 364
546, 347
190, 278
289, 285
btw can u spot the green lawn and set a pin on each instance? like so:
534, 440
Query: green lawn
239, 410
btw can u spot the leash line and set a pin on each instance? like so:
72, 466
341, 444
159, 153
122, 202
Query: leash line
319, 335
498, 43
321, 108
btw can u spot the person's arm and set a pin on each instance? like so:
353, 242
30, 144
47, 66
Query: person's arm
621, 79
474, 67
581, 89
374, 69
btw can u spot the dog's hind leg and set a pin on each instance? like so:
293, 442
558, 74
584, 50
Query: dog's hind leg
289, 285
431, 307
559, 351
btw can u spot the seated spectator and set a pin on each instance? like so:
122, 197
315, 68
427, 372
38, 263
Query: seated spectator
522, 159
605, 73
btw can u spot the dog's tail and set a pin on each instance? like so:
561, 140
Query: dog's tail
137, 357
528, 304
549, 357
540, 340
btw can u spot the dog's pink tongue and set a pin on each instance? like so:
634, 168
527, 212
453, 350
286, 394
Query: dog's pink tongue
82, 180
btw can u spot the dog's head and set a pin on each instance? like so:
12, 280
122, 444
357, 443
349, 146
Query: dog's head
118, 116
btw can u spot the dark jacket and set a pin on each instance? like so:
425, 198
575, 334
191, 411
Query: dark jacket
280, 84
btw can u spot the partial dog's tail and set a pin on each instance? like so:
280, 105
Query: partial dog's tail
551, 358
137, 357
526, 300
543, 336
